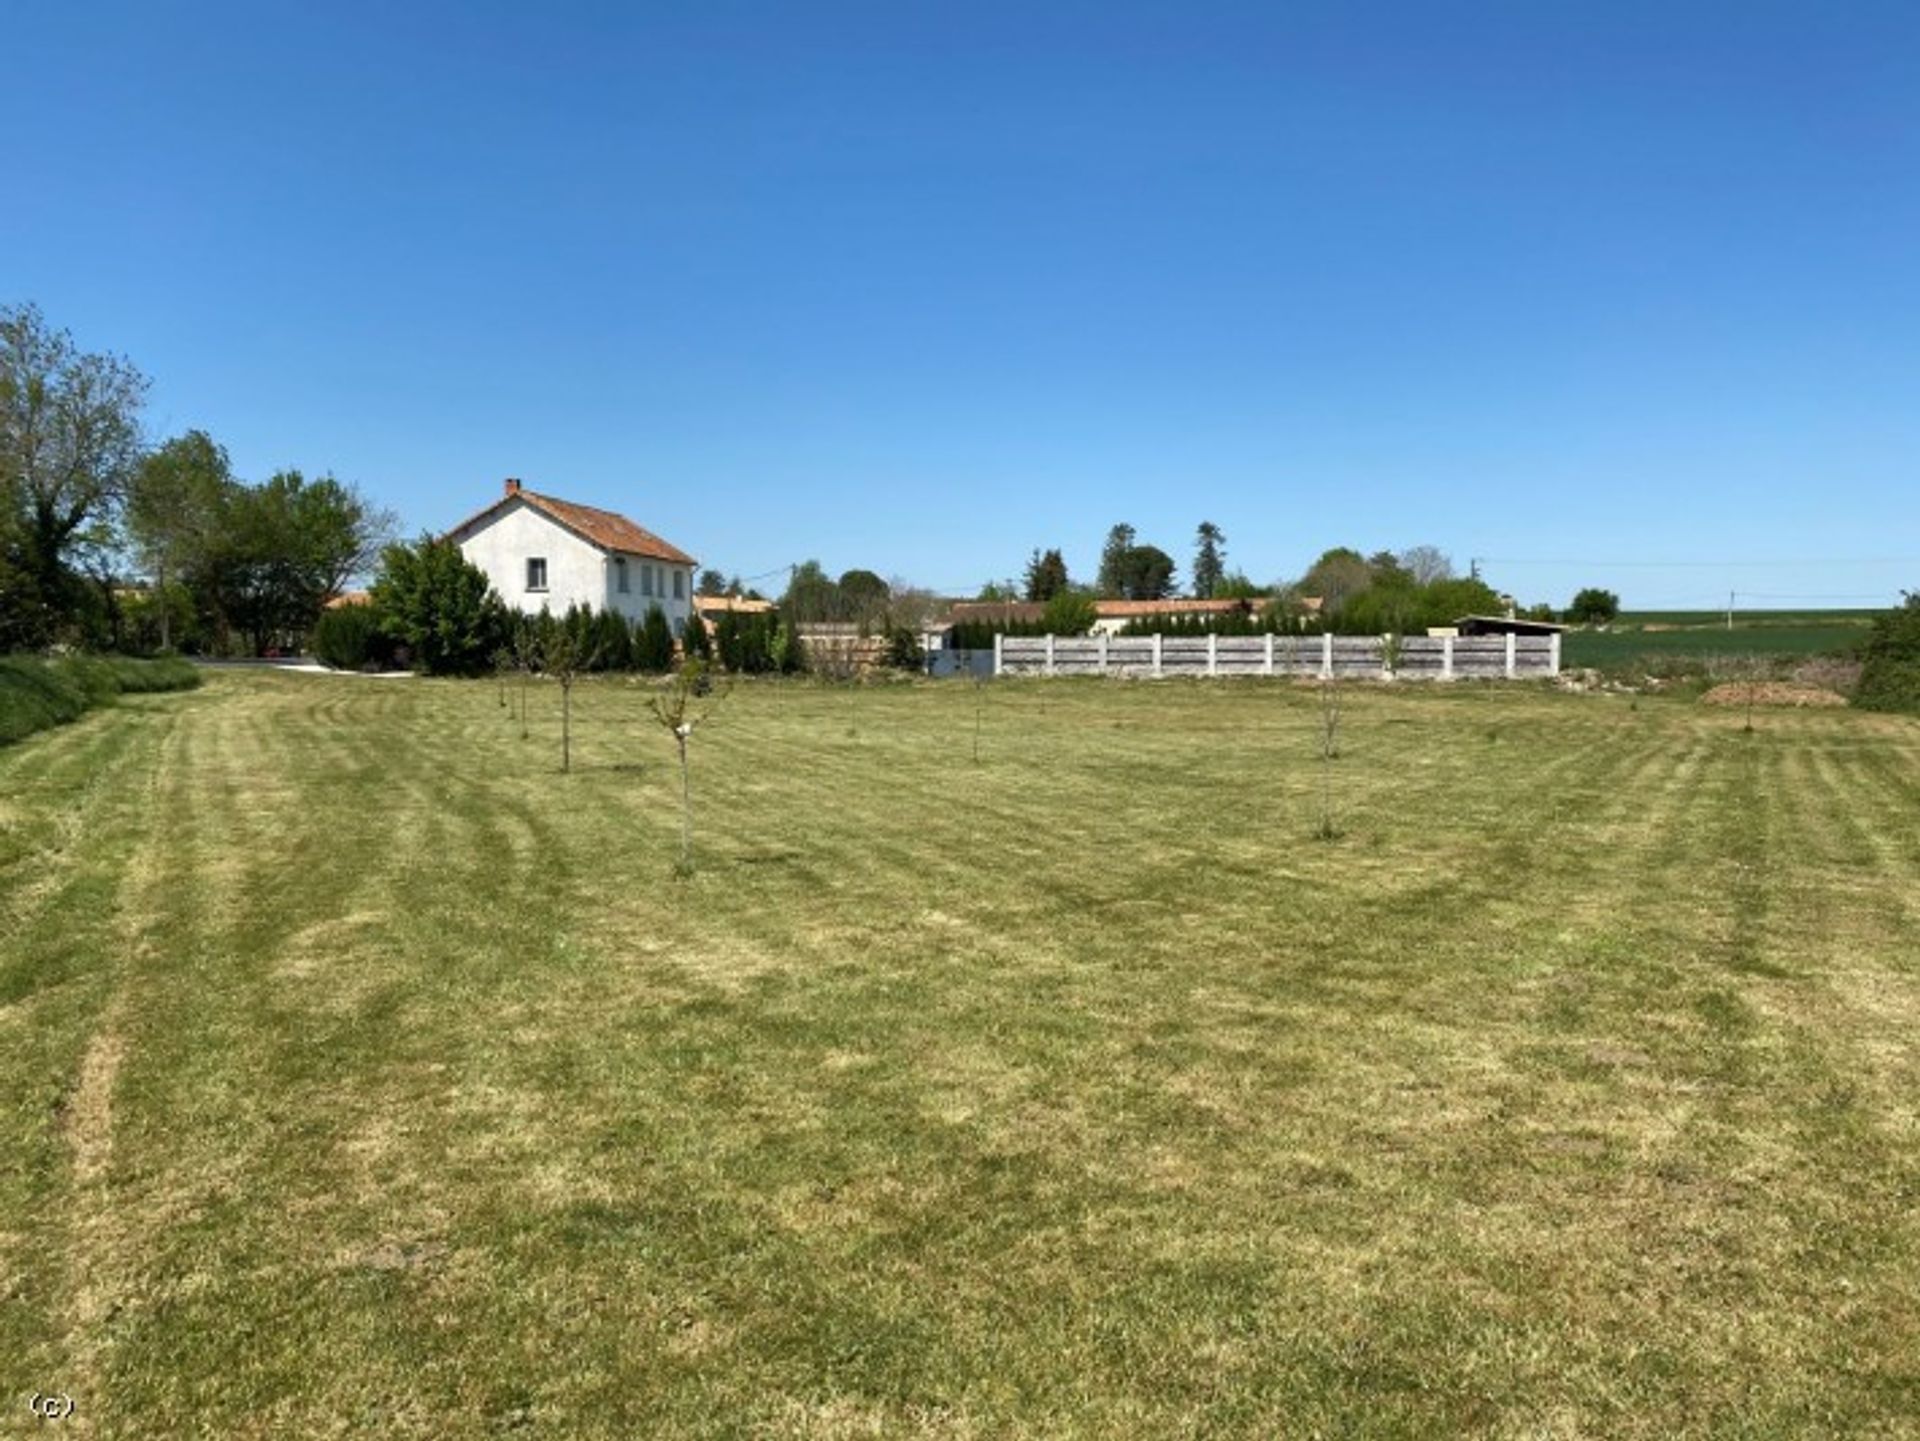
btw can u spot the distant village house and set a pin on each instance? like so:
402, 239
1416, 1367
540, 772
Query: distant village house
543, 553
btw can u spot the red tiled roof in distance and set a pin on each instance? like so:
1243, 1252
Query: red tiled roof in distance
604, 528
1000, 610
1113, 609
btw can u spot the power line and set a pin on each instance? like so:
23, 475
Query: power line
1785, 595
1707, 564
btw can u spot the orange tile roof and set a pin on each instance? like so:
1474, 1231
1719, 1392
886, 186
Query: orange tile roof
1113, 609
604, 528
1001, 610
738, 604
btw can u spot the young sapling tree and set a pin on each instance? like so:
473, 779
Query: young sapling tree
686, 703
565, 653
979, 708
1329, 735
525, 646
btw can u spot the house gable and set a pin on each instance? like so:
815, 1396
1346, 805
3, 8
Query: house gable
543, 553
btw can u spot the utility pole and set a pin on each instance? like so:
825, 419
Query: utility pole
1729, 610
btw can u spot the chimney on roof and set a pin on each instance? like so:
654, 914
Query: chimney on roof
513, 485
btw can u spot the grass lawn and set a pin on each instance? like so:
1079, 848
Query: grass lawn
362, 1074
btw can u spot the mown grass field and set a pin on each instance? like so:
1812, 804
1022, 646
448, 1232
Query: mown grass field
363, 1075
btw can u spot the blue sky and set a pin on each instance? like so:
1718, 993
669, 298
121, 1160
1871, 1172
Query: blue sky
921, 287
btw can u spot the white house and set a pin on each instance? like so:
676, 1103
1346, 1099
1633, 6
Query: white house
545, 553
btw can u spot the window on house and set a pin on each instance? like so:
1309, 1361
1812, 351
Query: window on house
536, 572
679, 585
620, 574
646, 580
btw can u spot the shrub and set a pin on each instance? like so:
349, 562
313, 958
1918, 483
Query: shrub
1070, 612
904, 651
36, 694
1890, 660
611, 641
695, 639
755, 644
785, 649
350, 637
653, 646
979, 634
431, 597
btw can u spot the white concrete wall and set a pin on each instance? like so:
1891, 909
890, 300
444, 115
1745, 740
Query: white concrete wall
578, 573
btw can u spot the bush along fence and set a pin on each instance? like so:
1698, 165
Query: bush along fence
1355, 657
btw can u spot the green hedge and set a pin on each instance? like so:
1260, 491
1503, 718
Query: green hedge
351, 637
36, 693
1890, 669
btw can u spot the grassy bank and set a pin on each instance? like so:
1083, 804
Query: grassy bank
37, 693
365, 1073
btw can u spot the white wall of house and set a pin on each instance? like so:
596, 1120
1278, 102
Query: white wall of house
649, 583
578, 572
502, 544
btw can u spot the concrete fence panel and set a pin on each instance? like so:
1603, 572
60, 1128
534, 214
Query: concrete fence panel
1345, 657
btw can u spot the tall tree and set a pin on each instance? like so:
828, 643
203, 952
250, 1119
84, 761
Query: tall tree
811, 595
1426, 564
1113, 558
1386, 569
280, 550
1339, 575
1046, 575
69, 444
1146, 573
1209, 559
172, 507
711, 583
863, 597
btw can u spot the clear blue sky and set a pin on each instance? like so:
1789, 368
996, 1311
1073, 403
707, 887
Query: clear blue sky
919, 287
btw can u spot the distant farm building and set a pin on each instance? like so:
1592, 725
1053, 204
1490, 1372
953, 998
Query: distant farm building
1505, 625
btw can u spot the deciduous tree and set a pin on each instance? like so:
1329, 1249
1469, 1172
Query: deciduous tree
1337, 576
173, 507
278, 551
1594, 606
69, 446
1426, 564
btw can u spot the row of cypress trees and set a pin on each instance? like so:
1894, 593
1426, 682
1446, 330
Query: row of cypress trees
607, 639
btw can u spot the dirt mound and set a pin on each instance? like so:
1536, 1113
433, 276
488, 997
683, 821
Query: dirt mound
1771, 692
